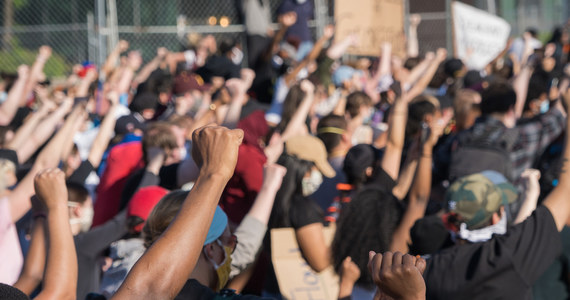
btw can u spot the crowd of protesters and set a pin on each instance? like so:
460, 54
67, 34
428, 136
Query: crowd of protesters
163, 179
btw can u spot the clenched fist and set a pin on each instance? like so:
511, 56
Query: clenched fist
50, 188
215, 149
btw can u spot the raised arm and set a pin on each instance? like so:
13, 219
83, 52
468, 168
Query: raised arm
531, 185
238, 89
338, 49
9, 107
520, 85
111, 62
34, 265
297, 125
154, 276
134, 61
285, 21
396, 133
60, 280
557, 201
317, 48
43, 131
36, 71
26, 130
413, 46
145, 72
419, 194
105, 132
424, 80
48, 158
420, 68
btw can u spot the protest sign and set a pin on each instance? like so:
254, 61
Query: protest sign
374, 21
478, 36
295, 277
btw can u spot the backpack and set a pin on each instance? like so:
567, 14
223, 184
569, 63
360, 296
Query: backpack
480, 150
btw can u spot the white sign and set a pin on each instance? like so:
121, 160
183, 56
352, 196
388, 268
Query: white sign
478, 36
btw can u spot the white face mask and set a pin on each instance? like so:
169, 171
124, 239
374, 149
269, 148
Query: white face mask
485, 233
86, 220
311, 184
183, 153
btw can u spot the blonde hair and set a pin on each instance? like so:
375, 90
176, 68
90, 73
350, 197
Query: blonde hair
162, 215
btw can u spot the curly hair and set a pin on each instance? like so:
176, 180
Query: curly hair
366, 223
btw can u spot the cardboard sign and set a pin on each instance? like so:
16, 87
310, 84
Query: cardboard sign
478, 36
374, 21
295, 277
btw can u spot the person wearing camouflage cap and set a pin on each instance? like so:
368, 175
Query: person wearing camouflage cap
475, 205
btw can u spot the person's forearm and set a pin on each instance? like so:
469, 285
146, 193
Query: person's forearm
520, 85
263, 204
196, 213
413, 46
338, 49
405, 179
61, 264
296, 125
103, 137
234, 111
34, 265
385, 61
35, 74
9, 108
315, 51
25, 131
42, 132
124, 83
396, 133
111, 62
528, 206
145, 72
425, 79
345, 290
419, 196
417, 71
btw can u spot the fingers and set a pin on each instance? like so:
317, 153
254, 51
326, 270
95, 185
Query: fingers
421, 264
387, 261
397, 259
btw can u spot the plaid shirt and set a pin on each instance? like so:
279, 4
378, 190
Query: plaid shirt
533, 137
526, 141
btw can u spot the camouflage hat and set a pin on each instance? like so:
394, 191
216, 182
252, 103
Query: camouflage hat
476, 197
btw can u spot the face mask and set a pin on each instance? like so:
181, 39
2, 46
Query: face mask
85, 221
311, 184
485, 233
544, 106
301, 1
237, 56
223, 270
3, 96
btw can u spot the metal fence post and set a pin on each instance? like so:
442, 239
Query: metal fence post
101, 20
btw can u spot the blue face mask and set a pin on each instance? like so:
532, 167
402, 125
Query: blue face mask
544, 106
3, 96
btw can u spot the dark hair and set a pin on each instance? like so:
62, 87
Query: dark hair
290, 105
537, 85
76, 192
354, 101
290, 187
331, 139
499, 97
366, 223
416, 113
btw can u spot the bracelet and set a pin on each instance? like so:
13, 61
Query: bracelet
213, 107
39, 215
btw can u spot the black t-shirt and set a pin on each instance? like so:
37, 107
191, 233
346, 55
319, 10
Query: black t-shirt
193, 290
504, 267
304, 211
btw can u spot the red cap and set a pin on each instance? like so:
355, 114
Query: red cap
143, 202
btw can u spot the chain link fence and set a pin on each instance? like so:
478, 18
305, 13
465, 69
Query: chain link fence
80, 30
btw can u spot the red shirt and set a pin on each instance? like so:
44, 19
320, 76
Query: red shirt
123, 160
243, 187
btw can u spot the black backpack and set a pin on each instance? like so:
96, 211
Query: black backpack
480, 150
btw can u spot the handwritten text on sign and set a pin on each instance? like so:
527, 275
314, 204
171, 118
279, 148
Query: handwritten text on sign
374, 21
